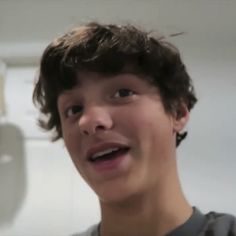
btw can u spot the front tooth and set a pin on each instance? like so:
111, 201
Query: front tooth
98, 154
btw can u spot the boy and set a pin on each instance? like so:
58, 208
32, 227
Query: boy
120, 98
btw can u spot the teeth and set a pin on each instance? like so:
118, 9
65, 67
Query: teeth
99, 154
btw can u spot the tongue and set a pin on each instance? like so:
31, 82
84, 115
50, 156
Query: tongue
111, 155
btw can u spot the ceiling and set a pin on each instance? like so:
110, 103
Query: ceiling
27, 26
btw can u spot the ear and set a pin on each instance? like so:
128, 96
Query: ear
181, 118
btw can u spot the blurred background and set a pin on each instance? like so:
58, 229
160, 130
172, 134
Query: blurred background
41, 193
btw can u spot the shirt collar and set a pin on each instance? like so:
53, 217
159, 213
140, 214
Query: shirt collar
192, 226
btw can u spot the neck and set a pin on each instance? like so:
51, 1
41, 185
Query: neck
154, 213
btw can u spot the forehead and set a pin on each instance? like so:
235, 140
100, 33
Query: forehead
86, 77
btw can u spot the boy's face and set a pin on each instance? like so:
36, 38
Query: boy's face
118, 134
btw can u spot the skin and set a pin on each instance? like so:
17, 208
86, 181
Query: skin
142, 194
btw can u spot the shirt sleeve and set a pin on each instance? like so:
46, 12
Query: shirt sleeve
91, 231
218, 224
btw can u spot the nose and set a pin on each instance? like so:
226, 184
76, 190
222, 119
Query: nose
95, 119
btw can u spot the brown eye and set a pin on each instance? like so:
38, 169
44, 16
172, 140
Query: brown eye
73, 111
123, 93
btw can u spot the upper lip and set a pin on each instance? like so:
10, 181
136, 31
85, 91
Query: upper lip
102, 147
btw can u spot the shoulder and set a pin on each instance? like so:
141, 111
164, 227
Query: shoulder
219, 224
91, 231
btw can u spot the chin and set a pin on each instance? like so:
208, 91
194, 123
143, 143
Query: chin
117, 195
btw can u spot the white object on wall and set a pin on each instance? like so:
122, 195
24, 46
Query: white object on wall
18, 98
2, 79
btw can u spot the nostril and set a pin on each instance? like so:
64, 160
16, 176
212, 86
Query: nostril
85, 132
93, 130
99, 127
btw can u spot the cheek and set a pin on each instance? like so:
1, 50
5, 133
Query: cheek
150, 129
73, 146
137, 127
72, 141
152, 121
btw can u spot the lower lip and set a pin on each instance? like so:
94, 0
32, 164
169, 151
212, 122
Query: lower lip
110, 164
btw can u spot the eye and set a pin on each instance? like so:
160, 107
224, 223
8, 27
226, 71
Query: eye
121, 93
73, 111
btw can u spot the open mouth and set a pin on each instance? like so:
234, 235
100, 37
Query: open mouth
108, 154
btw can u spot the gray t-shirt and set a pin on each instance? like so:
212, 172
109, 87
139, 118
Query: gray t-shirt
211, 224
91, 231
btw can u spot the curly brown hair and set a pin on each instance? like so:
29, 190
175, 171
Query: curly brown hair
107, 49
